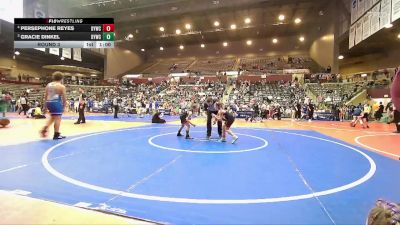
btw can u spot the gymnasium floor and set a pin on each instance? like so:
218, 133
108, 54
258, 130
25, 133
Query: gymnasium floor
279, 172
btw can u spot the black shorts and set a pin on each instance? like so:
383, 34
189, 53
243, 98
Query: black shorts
229, 123
366, 115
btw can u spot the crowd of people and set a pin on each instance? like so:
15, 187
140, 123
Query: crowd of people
264, 100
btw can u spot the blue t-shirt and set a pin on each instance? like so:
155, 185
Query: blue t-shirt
357, 112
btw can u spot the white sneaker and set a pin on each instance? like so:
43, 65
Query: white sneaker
235, 139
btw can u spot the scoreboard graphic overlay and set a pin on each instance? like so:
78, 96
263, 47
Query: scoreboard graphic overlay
64, 33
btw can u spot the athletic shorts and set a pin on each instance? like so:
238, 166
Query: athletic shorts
55, 108
366, 116
229, 123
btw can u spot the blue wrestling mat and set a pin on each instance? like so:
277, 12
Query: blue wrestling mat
266, 177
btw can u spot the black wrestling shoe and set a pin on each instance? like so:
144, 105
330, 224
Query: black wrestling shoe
58, 136
77, 123
179, 135
188, 137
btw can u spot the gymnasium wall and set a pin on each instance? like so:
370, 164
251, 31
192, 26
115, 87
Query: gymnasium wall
18, 66
379, 92
322, 50
370, 62
119, 61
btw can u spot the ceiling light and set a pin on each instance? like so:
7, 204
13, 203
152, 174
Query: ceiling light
274, 40
301, 38
181, 47
178, 31
161, 49
62, 58
249, 42
188, 26
297, 21
233, 26
162, 29
216, 24
142, 50
225, 44
340, 57
398, 36
203, 45
130, 35
247, 20
281, 17
16, 53
388, 25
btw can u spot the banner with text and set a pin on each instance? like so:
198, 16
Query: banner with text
66, 53
77, 54
395, 10
54, 51
366, 26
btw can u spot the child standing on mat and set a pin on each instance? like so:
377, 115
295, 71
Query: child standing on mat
228, 119
185, 122
356, 116
55, 98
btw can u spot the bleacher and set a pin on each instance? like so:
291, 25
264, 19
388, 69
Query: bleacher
263, 92
168, 66
176, 95
214, 65
255, 64
211, 66
35, 92
141, 68
73, 90
262, 63
336, 92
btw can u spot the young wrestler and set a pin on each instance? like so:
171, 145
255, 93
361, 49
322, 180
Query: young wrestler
342, 113
55, 98
228, 119
185, 122
356, 116
365, 115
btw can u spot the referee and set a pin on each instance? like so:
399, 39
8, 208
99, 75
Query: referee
395, 93
210, 107
116, 107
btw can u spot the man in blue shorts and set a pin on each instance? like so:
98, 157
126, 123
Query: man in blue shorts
55, 98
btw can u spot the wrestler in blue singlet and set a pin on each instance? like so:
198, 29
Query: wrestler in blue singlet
54, 101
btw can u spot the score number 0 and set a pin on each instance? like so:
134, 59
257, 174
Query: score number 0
108, 27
